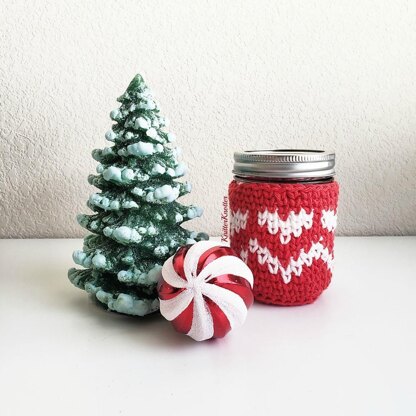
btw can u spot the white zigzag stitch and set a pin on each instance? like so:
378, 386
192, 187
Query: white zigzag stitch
244, 255
293, 224
238, 221
329, 220
317, 251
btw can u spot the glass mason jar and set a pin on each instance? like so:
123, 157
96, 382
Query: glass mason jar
283, 214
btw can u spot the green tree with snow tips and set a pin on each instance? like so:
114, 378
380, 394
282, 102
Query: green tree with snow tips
137, 220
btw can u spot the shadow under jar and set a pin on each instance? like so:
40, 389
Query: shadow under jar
283, 214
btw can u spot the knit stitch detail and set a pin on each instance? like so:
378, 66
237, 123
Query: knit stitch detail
317, 251
329, 219
285, 234
238, 221
292, 225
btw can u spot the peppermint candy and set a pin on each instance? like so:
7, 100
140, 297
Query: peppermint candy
205, 290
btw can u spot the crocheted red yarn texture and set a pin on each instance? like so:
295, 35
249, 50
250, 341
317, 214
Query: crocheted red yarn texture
285, 234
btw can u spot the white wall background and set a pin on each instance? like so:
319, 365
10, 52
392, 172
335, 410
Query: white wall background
229, 75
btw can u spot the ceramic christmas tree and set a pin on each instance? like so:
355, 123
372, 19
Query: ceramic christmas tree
137, 220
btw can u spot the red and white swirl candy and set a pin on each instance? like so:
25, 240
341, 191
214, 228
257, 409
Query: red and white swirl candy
205, 290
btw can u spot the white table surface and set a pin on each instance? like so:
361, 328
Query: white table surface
353, 352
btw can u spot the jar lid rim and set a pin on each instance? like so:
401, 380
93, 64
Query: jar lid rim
284, 163
285, 155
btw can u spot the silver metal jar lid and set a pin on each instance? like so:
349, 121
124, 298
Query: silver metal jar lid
285, 164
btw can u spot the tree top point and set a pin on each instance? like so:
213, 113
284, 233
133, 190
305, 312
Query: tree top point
135, 83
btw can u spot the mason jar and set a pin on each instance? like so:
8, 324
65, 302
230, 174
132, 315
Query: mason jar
283, 215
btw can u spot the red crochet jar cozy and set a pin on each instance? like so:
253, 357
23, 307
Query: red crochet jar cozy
285, 234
